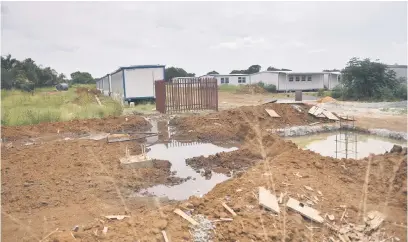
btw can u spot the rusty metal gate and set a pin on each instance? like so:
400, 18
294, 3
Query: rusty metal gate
186, 94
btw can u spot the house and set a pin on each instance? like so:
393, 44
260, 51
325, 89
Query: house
284, 80
133, 82
400, 70
231, 79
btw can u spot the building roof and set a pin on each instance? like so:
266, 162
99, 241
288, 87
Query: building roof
137, 67
397, 66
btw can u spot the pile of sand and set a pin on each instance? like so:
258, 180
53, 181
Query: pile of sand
326, 99
251, 89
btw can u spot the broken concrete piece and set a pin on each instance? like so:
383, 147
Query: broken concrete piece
331, 217
185, 216
118, 217
272, 113
330, 115
105, 230
229, 209
137, 161
268, 200
306, 211
75, 228
374, 220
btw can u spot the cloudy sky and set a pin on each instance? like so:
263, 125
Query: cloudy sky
98, 37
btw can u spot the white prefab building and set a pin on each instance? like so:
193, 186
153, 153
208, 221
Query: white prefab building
135, 82
106, 88
400, 70
231, 79
284, 80
99, 85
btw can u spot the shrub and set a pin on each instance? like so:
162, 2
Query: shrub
267, 87
401, 91
337, 92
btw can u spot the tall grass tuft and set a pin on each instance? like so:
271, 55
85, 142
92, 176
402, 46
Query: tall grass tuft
22, 108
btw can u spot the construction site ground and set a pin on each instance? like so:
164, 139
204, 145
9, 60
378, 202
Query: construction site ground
58, 184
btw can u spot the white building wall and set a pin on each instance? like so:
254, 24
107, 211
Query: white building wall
139, 82
333, 81
265, 77
105, 85
316, 83
233, 80
399, 71
117, 85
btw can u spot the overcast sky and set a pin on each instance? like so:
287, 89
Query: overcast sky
98, 37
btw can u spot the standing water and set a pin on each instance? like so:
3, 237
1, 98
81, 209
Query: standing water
346, 144
176, 153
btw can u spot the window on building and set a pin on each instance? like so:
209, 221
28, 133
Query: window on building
309, 78
227, 80
338, 78
241, 79
291, 78
222, 80
297, 78
303, 78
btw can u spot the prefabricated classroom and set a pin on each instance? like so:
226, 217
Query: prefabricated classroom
131, 83
283, 80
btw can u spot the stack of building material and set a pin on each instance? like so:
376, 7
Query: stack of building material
322, 113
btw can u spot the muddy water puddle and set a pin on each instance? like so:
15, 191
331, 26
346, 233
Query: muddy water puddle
346, 144
198, 183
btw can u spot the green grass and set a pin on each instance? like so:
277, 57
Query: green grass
143, 107
228, 88
46, 105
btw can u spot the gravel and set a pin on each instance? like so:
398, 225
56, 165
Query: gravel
203, 231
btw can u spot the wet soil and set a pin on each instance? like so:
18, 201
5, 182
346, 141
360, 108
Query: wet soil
60, 184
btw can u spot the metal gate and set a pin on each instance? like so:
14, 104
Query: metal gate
186, 94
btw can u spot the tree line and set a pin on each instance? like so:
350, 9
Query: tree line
27, 75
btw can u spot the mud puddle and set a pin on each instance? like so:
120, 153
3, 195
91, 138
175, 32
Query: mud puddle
197, 183
345, 144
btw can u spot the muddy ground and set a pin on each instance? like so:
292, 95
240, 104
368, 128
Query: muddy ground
49, 187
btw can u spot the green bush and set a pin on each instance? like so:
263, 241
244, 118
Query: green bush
267, 87
337, 92
401, 91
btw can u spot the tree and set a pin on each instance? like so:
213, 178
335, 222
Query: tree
365, 79
172, 72
251, 70
333, 70
213, 73
81, 77
271, 68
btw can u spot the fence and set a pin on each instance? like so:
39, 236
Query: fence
189, 94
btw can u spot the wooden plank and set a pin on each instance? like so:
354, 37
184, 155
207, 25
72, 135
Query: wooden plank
306, 211
229, 209
268, 200
272, 113
330, 115
185, 216
165, 236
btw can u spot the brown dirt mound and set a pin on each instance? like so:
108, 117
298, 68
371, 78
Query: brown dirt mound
84, 90
110, 124
251, 89
234, 124
326, 99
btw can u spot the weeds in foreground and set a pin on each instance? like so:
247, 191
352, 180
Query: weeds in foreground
22, 108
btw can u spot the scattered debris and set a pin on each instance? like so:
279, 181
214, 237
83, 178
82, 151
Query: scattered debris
320, 193
374, 220
306, 211
118, 217
165, 236
308, 188
223, 220
297, 108
97, 99
75, 228
314, 123
270, 101
268, 200
185, 216
229, 209
105, 230
331, 217
272, 113
297, 174
322, 113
